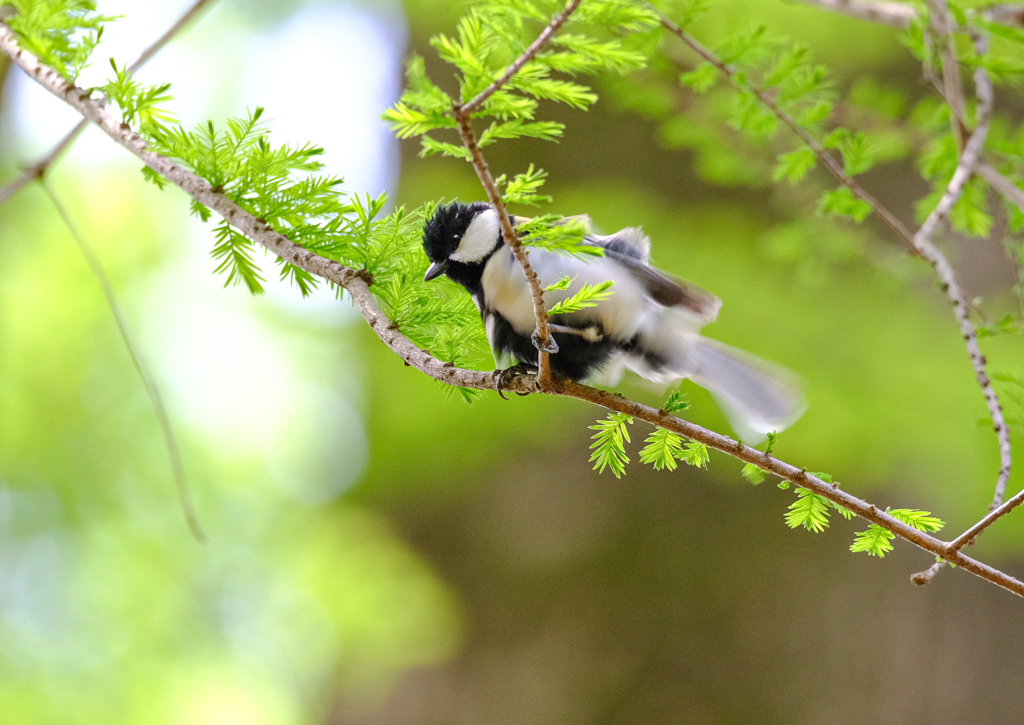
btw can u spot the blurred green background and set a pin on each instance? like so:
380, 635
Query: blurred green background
378, 554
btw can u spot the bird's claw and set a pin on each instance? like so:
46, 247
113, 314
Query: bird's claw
504, 377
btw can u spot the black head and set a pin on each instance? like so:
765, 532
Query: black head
445, 231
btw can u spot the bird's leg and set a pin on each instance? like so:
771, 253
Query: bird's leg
590, 334
504, 377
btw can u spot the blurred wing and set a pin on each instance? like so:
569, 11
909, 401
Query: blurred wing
632, 249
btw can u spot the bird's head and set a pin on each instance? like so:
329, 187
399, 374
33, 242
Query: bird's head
460, 233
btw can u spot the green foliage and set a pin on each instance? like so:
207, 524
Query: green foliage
1008, 324
874, 541
61, 33
588, 296
562, 235
139, 104
701, 79
275, 184
676, 402
488, 38
662, 449
524, 187
561, 284
843, 203
696, 454
858, 152
752, 473
810, 510
609, 444
793, 166
877, 541
1011, 393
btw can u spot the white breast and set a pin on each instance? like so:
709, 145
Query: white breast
506, 291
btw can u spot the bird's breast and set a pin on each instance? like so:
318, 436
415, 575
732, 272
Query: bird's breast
506, 291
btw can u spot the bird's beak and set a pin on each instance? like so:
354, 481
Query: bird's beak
435, 270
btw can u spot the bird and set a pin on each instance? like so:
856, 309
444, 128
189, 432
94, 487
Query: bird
650, 324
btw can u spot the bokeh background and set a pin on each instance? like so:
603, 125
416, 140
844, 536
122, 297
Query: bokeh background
379, 554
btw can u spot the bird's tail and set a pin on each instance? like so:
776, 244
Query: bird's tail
759, 398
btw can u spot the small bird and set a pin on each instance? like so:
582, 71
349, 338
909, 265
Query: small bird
649, 324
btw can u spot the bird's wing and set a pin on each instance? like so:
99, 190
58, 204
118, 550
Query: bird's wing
632, 248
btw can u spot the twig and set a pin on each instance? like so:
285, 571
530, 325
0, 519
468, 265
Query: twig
356, 283
39, 168
952, 84
901, 15
170, 441
970, 163
1012, 193
529, 54
831, 164
926, 576
921, 242
542, 339
898, 15
994, 515
1000, 183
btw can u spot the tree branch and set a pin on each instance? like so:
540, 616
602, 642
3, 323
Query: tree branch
542, 338
356, 283
833, 166
148, 383
40, 167
898, 15
952, 84
919, 243
529, 54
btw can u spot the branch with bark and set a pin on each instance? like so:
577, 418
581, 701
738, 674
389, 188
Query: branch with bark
357, 284
901, 15
38, 169
944, 27
463, 113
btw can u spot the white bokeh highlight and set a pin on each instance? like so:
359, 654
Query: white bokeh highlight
232, 376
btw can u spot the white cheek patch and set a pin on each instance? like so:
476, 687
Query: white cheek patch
479, 239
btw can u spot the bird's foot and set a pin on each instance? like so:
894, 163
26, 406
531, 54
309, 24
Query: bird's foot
504, 377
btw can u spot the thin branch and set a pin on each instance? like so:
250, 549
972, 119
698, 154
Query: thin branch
40, 167
1009, 14
1011, 243
901, 15
968, 536
898, 15
170, 441
926, 576
172, 32
952, 90
1000, 183
833, 166
357, 282
921, 242
529, 54
542, 338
